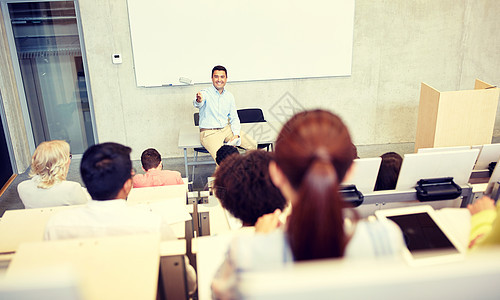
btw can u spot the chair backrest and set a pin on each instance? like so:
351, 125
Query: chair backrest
364, 174
247, 115
196, 119
489, 153
416, 166
251, 115
157, 193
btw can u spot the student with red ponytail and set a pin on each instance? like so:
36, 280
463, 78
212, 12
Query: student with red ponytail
313, 154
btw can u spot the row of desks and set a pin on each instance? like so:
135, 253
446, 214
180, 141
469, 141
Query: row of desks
124, 267
23, 251
24, 228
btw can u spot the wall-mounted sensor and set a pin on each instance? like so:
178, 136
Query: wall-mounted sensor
185, 80
117, 58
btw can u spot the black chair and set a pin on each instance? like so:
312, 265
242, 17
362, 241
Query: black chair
253, 115
196, 119
200, 149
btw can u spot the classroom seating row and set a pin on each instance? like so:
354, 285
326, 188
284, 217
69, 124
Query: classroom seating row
457, 162
194, 214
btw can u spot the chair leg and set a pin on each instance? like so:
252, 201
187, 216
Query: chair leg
195, 160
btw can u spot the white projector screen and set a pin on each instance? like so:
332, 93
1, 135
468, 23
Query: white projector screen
253, 39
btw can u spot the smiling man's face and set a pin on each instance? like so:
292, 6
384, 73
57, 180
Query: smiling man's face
219, 80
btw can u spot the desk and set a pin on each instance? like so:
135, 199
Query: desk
210, 250
214, 219
168, 201
149, 194
28, 225
210, 254
176, 214
104, 268
377, 279
262, 132
25, 225
394, 198
173, 272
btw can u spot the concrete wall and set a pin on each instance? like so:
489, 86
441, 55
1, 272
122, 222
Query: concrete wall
397, 45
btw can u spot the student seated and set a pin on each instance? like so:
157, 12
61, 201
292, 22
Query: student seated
48, 185
313, 153
106, 170
485, 223
224, 152
244, 188
389, 171
155, 176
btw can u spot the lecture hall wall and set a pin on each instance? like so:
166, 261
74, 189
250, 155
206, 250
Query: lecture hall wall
397, 45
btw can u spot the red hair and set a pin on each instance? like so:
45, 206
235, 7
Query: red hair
314, 151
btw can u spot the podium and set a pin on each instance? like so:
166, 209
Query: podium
456, 118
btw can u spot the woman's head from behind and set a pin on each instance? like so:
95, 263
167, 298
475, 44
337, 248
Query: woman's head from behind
389, 171
314, 151
50, 162
243, 186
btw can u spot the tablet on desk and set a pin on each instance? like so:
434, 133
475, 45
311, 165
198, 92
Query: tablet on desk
427, 241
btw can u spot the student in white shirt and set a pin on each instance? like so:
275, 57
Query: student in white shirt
106, 170
48, 186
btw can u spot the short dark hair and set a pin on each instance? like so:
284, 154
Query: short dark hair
224, 152
219, 68
150, 158
105, 168
389, 171
244, 187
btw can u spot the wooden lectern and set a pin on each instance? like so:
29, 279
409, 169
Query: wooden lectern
457, 118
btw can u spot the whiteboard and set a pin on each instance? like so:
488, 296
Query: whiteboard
253, 39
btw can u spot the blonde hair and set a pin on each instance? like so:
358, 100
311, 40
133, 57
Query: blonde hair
50, 162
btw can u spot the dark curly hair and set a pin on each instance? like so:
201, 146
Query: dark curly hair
243, 186
224, 152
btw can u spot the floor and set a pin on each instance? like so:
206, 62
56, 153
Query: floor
10, 198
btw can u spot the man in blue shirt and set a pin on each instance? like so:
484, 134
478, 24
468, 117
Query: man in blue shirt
217, 107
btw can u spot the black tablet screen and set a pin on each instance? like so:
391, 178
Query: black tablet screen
422, 233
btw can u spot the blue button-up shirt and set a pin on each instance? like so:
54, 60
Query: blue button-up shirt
216, 110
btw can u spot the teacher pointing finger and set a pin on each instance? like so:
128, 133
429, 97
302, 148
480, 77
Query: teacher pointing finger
219, 122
